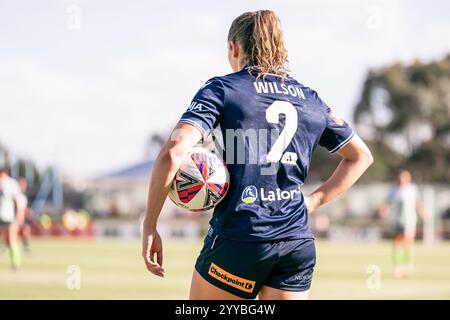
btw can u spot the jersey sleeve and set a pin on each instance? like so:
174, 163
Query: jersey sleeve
205, 108
337, 132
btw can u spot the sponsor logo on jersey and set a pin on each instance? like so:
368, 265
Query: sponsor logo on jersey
278, 194
250, 194
289, 158
196, 106
231, 279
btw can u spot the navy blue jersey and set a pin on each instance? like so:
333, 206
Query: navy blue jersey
270, 129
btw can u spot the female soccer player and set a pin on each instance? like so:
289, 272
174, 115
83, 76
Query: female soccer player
11, 215
402, 206
259, 242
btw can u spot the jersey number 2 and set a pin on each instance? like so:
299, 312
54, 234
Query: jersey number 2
273, 116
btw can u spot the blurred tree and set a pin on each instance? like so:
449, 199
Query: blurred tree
19, 167
404, 114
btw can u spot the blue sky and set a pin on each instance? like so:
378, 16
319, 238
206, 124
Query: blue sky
85, 91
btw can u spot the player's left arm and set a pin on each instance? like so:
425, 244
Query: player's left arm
182, 139
356, 158
420, 207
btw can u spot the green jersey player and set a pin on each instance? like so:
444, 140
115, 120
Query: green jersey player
402, 206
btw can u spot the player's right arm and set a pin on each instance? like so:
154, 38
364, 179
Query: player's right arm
385, 210
183, 138
201, 116
20, 206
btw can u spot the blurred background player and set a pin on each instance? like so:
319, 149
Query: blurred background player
402, 205
11, 215
25, 227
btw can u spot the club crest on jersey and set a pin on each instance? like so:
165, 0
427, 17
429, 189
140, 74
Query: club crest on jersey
336, 119
249, 195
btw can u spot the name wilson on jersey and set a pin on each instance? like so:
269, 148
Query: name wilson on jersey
278, 88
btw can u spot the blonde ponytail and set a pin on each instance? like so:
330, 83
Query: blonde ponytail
260, 37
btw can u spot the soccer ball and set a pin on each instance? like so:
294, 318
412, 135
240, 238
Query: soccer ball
201, 182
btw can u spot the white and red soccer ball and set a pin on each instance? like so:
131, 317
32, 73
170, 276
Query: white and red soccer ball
201, 182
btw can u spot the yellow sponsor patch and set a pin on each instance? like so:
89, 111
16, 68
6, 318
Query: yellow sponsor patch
230, 279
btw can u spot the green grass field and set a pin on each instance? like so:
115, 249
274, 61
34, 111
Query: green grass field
112, 269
